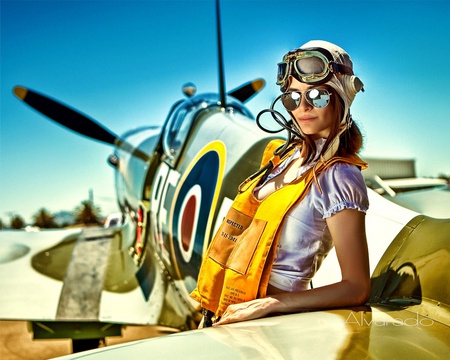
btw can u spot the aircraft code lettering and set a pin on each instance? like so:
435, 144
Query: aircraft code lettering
228, 236
234, 224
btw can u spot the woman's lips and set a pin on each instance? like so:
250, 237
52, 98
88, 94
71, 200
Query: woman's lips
306, 119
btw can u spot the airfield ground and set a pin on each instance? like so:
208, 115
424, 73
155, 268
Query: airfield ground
16, 341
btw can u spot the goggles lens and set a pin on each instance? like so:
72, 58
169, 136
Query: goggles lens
283, 71
311, 67
318, 98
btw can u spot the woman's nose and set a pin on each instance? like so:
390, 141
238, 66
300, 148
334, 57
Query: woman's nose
304, 105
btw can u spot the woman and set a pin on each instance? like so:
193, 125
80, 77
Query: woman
318, 87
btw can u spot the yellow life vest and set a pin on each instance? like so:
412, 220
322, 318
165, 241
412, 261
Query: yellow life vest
237, 265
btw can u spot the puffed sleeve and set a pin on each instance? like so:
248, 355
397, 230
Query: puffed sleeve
343, 187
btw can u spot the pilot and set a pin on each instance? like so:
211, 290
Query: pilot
312, 194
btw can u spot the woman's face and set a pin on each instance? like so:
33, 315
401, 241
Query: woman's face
315, 122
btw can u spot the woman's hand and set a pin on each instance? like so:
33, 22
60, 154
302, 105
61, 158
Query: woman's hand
249, 310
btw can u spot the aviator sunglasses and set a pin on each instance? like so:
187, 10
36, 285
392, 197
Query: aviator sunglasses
317, 97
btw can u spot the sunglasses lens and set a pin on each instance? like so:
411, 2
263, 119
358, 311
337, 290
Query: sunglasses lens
319, 98
291, 100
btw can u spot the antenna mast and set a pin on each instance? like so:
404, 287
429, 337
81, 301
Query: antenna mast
220, 56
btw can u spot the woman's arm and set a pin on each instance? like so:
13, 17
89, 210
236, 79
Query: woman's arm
347, 228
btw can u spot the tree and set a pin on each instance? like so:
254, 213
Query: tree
1, 224
17, 222
87, 213
445, 177
44, 219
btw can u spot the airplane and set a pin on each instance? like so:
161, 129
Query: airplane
174, 184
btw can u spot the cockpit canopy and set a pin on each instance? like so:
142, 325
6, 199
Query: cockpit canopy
183, 117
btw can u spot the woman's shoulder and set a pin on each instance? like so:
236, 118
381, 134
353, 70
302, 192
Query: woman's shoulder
343, 180
343, 172
341, 186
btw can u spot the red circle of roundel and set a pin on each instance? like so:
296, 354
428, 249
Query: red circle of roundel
187, 222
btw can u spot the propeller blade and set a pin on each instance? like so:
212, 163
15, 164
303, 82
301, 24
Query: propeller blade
65, 116
244, 92
75, 121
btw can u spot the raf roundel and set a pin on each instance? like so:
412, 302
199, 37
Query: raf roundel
192, 212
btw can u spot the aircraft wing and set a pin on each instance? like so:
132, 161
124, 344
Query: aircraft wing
368, 333
18, 278
75, 274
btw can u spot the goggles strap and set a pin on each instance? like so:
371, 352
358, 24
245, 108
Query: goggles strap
337, 68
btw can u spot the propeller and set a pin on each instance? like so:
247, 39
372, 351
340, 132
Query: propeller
244, 92
74, 120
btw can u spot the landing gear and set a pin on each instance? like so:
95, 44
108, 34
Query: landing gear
84, 335
86, 344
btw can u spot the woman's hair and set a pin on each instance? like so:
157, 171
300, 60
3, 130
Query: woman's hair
351, 140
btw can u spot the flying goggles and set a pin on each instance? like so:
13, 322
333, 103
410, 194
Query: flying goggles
316, 97
312, 66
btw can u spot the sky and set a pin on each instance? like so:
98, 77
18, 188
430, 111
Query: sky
123, 63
